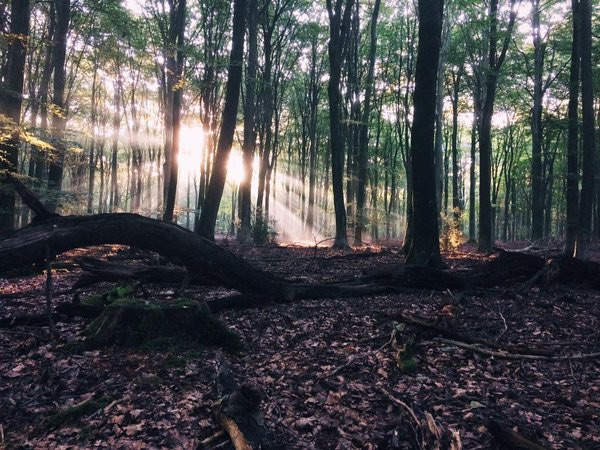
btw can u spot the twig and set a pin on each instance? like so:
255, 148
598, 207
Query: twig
506, 355
417, 425
209, 440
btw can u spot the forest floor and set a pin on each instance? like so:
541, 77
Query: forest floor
329, 379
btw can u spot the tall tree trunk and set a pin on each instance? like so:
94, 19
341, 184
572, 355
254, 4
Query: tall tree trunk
572, 139
494, 64
59, 118
40, 166
92, 156
175, 73
249, 124
537, 179
472, 181
586, 203
339, 23
456, 203
114, 163
363, 155
11, 98
208, 216
424, 249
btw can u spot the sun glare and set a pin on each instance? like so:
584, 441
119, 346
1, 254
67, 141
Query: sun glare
191, 148
235, 167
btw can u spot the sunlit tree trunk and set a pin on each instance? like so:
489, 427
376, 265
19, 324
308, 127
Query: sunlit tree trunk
92, 155
208, 216
249, 124
456, 203
59, 119
175, 94
363, 155
11, 97
472, 180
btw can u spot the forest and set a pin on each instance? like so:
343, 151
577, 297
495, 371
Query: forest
300, 224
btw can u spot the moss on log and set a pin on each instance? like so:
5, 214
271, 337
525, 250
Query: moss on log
131, 322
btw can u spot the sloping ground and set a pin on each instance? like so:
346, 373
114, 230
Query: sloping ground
330, 380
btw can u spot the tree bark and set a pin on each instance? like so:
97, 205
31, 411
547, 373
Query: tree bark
586, 201
363, 155
11, 98
175, 73
537, 178
249, 125
59, 118
572, 138
339, 24
424, 248
210, 209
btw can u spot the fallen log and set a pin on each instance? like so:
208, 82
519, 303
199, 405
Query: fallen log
97, 270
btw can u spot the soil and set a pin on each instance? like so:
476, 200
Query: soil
330, 376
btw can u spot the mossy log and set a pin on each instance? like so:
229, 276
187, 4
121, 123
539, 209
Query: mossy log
133, 323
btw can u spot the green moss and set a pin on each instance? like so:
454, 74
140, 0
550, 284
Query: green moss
131, 322
73, 413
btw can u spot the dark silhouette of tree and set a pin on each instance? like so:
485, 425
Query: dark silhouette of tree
11, 98
210, 209
339, 24
424, 246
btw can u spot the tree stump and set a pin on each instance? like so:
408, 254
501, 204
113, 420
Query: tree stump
133, 322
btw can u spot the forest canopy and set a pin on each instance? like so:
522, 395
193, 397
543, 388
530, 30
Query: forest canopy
295, 119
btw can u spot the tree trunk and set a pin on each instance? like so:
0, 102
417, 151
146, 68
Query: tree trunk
424, 249
249, 125
177, 36
363, 155
210, 209
11, 98
572, 139
456, 203
59, 119
537, 179
586, 202
339, 24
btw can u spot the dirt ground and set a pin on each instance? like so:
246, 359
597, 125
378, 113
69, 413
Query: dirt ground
330, 377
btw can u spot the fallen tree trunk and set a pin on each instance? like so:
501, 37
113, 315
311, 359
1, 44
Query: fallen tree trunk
97, 270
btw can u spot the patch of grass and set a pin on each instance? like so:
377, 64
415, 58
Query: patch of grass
73, 413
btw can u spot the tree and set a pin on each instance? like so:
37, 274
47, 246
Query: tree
59, 115
174, 93
363, 156
586, 201
339, 24
11, 98
572, 139
208, 216
424, 246
249, 123
493, 66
